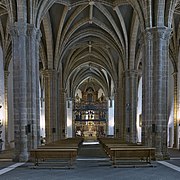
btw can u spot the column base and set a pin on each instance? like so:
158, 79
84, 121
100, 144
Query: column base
175, 146
160, 156
166, 157
7, 146
21, 157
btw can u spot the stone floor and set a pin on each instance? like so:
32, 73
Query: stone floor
91, 164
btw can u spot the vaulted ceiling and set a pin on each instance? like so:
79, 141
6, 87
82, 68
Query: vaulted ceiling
90, 39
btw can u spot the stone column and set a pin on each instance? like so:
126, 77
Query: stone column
110, 122
18, 35
155, 75
116, 114
148, 128
38, 38
69, 123
175, 145
62, 105
6, 73
50, 85
63, 113
73, 119
32, 77
119, 121
131, 86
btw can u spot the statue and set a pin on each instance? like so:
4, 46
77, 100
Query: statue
77, 98
102, 98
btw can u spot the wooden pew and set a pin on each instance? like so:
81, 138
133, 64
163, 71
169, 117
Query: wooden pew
132, 153
62, 146
68, 155
127, 152
110, 140
61, 150
76, 141
107, 147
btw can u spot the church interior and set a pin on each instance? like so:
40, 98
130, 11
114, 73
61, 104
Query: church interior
89, 70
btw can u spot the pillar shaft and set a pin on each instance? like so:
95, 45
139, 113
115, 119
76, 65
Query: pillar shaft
147, 89
118, 124
38, 38
32, 86
175, 111
62, 105
50, 84
155, 74
63, 113
18, 34
6, 73
131, 84
25, 88
119, 121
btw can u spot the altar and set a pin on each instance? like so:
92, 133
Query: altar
90, 135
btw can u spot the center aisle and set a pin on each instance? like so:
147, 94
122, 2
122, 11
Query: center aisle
92, 154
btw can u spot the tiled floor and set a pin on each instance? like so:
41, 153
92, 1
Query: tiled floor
93, 164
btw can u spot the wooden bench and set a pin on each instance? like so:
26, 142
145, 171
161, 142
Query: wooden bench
131, 153
59, 147
110, 140
62, 154
64, 150
107, 147
123, 152
64, 146
76, 141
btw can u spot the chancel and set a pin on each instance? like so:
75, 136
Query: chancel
92, 71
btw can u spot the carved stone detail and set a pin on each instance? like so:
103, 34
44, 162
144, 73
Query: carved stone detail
31, 31
18, 29
158, 33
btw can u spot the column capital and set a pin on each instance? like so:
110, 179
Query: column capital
69, 99
158, 33
17, 29
6, 73
63, 90
131, 73
110, 98
48, 72
38, 35
141, 40
31, 30
175, 73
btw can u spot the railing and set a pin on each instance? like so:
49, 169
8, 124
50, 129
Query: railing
102, 119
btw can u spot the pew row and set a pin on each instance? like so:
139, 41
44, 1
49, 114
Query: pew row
132, 153
61, 155
58, 152
127, 153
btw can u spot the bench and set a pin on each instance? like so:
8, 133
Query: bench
131, 153
110, 140
64, 150
77, 141
58, 147
62, 154
128, 153
107, 147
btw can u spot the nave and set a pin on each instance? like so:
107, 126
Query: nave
89, 68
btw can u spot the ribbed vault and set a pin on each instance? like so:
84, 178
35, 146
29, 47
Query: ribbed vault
89, 39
